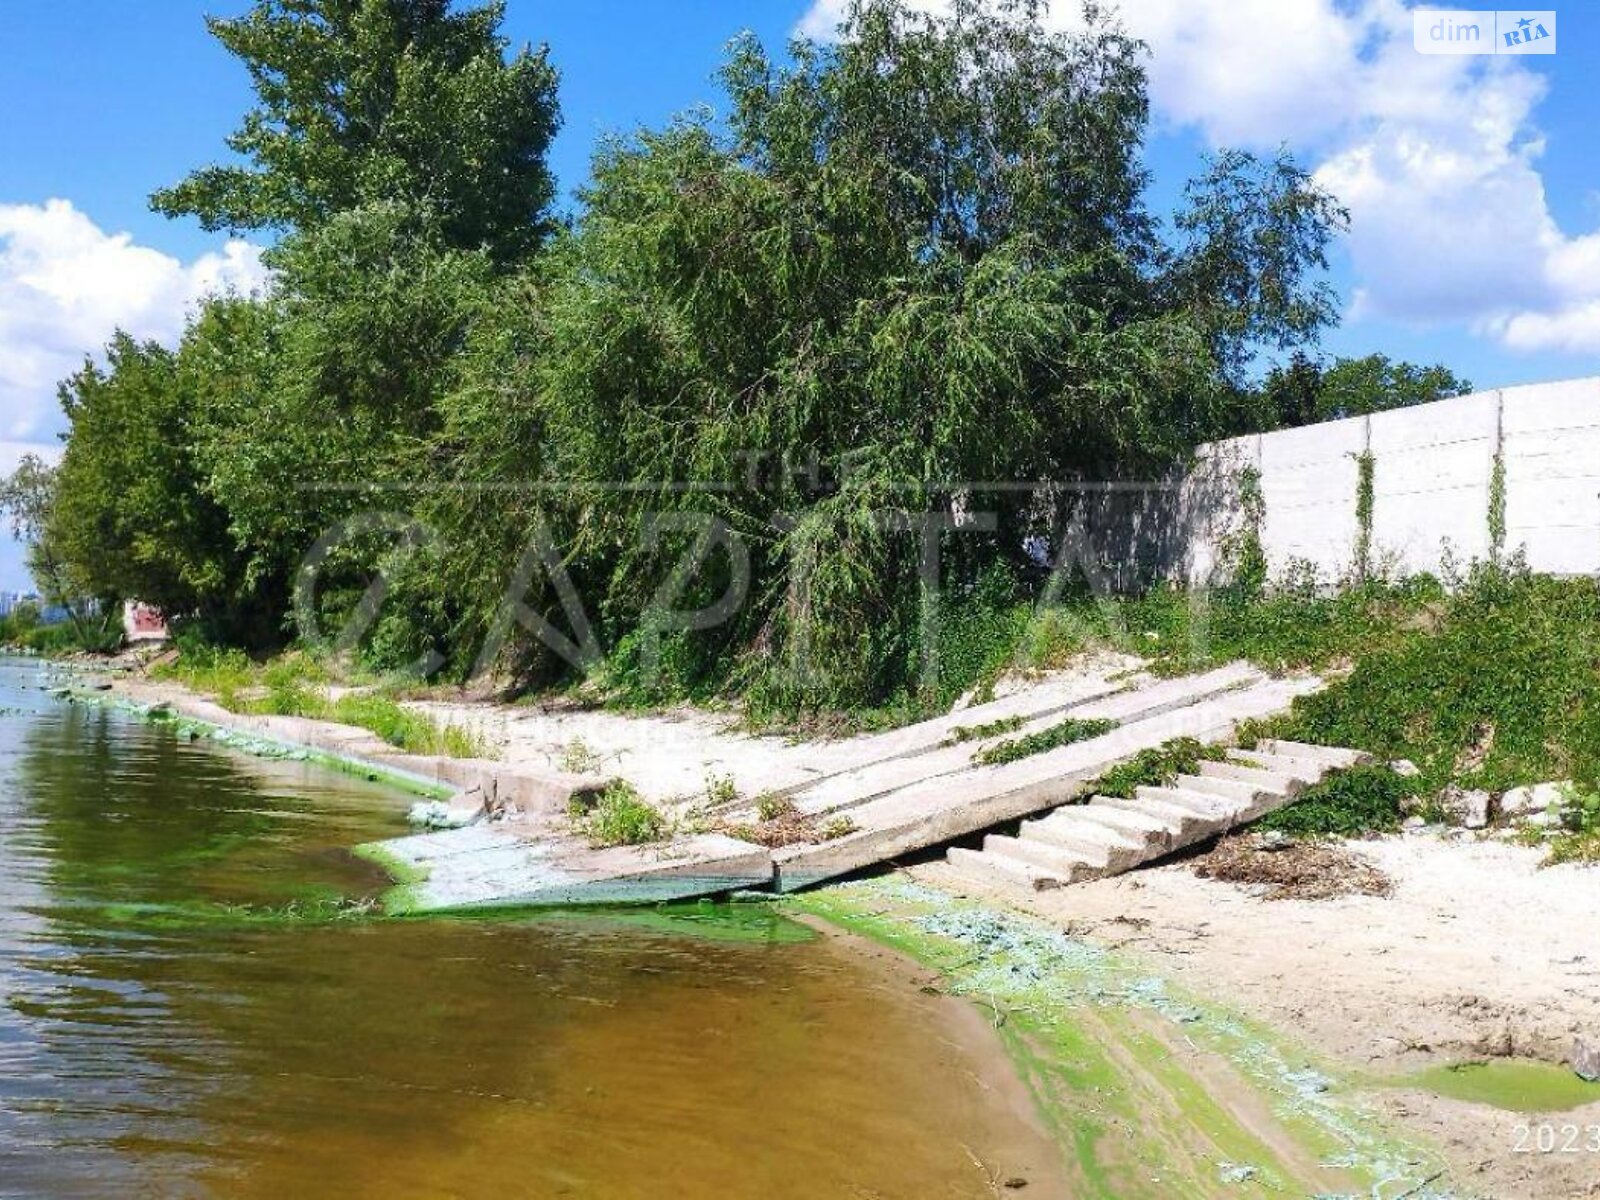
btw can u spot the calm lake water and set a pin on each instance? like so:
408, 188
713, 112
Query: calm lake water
195, 1002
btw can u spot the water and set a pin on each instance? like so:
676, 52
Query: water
194, 1001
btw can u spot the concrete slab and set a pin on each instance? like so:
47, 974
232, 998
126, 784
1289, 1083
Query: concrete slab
486, 866
946, 808
850, 789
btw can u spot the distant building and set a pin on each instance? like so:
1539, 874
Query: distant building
11, 601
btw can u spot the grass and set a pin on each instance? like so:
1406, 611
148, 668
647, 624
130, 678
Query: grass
979, 733
577, 758
1579, 839
1157, 767
292, 686
1063, 733
619, 817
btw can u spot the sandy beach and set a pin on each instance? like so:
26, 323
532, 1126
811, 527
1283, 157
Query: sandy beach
1476, 952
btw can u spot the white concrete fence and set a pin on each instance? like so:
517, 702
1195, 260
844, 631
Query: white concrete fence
1433, 467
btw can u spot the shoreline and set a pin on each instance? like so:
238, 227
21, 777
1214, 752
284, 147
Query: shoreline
1150, 1088
1446, 969
1153, 916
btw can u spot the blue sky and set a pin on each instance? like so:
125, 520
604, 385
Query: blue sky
1471, 180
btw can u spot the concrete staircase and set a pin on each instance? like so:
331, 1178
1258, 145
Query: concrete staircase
1110, 835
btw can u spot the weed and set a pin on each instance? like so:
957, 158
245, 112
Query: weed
578, 758
1157, 767
620, 817
978, 733
721, 791
1063, 733
839, 827
1579, 840
1347, 804
772, 807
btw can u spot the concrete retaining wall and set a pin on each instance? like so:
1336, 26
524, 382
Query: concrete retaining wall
1432, 471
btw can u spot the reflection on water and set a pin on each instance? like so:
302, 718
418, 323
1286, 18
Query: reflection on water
193, 1007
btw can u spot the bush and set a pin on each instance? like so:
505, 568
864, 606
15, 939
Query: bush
1157, 767
620, 817
1347, 804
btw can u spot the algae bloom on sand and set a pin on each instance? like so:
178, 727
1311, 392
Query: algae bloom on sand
1150, 1092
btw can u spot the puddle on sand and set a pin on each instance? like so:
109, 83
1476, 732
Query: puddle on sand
1512, 1084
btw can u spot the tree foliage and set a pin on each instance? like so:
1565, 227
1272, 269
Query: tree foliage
366, 102
818, 338
1305, 391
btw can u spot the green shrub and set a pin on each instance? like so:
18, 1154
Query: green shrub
1347, 804
620, 817
1156, 767
771, 807
978, 733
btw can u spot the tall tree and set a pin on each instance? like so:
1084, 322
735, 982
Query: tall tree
129, 511
1257, 235
372, 101
28, 497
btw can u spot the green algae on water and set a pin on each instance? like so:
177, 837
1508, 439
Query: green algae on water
1515, 1085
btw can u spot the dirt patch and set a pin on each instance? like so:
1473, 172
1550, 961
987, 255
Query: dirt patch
1304, 870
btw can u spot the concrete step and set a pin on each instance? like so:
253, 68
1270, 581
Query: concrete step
1309, 769
941, 810
1267, 781
1114, 834
1207, 805
1236, 791
1069, 865
993, 868
1182, 820
1334, 756
1116, 851
1135, 822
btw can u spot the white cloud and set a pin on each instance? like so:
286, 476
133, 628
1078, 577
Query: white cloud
1437, 157
66, 285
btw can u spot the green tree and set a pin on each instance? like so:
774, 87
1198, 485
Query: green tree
28, 498
1352, 386
1306, 391
916, 256
1257, 234
322, 401
383, 101
129, 513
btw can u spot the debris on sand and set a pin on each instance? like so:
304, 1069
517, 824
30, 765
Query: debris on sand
1300, 870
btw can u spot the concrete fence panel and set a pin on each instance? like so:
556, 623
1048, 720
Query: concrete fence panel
1433, 471
1552, 466
1309, 478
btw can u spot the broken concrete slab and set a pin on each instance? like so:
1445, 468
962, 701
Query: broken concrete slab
1107, 836
484, 866
1586, 1060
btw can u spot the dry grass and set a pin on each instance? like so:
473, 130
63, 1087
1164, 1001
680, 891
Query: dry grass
1304, 870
